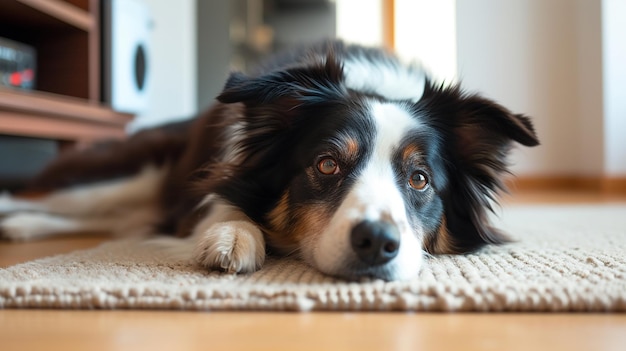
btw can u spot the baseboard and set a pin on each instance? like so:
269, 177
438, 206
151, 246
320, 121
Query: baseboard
604, 185
614, 185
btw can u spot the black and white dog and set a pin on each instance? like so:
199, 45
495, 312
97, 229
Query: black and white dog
338, 154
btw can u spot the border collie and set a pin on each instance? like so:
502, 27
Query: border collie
337, 154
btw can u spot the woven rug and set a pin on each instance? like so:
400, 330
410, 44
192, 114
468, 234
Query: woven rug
567, 258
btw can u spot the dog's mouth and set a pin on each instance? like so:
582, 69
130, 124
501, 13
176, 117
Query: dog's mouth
362, 273
372, 250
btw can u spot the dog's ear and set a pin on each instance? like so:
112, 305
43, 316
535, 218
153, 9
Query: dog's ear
477, 137
312, 82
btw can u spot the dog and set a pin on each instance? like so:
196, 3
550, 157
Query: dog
337, 154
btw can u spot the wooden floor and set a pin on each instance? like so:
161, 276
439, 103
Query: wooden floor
163, 330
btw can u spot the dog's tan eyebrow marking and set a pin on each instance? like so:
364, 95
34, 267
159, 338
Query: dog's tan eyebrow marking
347, 145
410, 151
352, 147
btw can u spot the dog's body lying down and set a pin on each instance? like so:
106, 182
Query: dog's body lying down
338, 154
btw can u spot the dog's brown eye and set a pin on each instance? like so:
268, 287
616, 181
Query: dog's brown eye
418, 180
328, 166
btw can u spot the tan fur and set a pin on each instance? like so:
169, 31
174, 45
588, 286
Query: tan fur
352, 148
292, 226
279, 216
442, 242
410, 152
280, 234
309, 219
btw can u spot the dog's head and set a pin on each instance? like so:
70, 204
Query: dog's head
358, 184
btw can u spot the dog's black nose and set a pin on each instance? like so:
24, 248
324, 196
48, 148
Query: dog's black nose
375, 242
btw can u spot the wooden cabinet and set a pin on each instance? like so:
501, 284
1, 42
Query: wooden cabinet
65, 105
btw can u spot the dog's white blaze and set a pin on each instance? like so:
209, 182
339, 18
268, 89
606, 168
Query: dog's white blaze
376, 189
389, 80
375, 196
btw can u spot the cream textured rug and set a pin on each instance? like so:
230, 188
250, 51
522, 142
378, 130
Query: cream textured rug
568, 258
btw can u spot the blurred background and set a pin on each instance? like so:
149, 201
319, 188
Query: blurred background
73, 71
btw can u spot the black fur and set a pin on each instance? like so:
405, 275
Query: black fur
476, 135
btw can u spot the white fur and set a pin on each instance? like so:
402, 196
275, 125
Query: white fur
226, 239
107, 197
25, 226
374, 196
230, 246
10, 204
232, 150
234, 246
120, 206
390, 80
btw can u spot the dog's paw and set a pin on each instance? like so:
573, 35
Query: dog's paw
234, 247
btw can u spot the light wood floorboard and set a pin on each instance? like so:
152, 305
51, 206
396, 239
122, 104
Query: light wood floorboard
158, 330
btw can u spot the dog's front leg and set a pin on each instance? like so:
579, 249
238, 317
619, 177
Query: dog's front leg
228, 240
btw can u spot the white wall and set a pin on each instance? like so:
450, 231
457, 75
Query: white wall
417, 41
360, 21
614, 60
172, 93
560, 61
524, 54
590, 93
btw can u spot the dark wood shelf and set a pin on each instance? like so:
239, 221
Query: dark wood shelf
66, 37
45, 14
50, 116
66, 105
